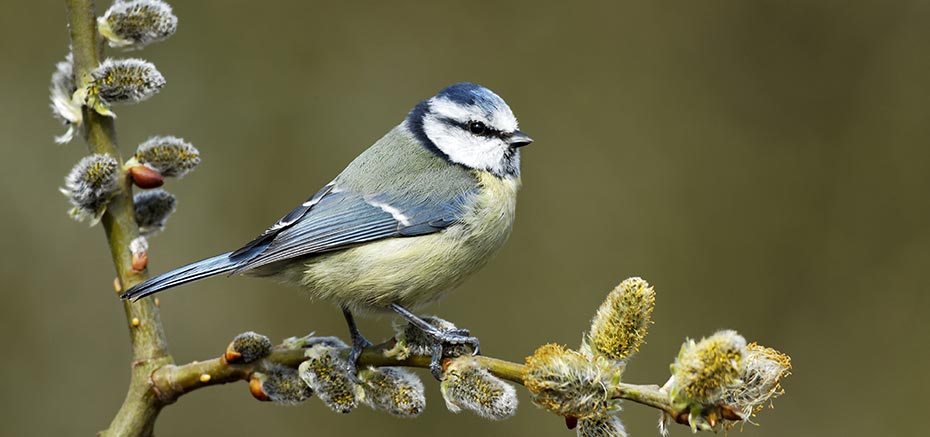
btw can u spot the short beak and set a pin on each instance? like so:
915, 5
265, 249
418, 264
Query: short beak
519, 139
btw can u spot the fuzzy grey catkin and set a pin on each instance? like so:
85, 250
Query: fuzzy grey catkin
152, 209
251, 346
135, 24
124, 81
601, 425
90, 185
61, 93
284, 386
393, 389
170, 156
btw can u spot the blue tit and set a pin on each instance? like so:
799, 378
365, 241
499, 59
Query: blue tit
405, 223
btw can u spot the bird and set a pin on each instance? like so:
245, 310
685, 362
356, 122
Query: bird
405, 223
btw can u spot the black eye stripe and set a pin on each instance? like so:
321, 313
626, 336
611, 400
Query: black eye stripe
488, 130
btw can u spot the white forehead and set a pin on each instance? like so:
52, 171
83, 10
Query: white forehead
498, 116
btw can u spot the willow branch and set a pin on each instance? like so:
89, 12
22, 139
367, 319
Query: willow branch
171, 381
149, 346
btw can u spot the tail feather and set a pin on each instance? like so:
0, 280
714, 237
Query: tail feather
192, 272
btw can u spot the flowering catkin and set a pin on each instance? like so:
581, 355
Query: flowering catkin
61, 92
90, 185
325, 371
152, 209
601, 425
568, 383
122, 81
283, 385
393, 389
763, 370
704, 369
621, 322
248, 347
170, 156
469, 386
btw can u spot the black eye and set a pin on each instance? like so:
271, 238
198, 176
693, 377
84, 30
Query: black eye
477, 127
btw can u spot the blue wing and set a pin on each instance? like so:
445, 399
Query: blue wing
330, 220
334, 220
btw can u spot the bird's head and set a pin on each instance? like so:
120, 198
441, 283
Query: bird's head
470, 125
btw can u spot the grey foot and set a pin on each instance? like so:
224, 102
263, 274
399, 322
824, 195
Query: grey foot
440, 342
359, 342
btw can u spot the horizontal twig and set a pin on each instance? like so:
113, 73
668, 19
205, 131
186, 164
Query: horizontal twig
172, 381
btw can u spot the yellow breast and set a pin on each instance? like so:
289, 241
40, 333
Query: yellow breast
495, 207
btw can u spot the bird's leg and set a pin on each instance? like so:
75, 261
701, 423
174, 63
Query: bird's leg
438, 339
359, 342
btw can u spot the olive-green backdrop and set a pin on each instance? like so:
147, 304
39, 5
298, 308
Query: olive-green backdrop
764, 164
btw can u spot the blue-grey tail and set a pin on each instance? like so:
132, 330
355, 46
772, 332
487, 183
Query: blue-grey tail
192, 272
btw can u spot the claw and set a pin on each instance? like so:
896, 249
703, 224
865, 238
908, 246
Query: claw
463, 336
442, 341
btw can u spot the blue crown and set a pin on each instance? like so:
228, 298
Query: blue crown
467, 93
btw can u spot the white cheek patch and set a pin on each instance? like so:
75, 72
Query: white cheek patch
483, 153
503, 120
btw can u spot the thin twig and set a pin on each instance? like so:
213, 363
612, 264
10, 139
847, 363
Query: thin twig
172, 381
139, 410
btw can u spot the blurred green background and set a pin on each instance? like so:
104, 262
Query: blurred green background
764, 164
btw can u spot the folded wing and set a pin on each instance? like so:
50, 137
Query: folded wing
341, 219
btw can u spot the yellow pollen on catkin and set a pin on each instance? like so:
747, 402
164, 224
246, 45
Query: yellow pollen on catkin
394, 390
325, 372
567, 382
622, 321
469, 386
763, 370
704, 369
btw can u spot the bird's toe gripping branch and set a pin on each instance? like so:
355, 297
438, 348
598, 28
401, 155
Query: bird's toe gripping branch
441, 339
444, 344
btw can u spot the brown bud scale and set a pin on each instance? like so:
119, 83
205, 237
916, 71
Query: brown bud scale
232, 355
146, 177
255, 387
140, 260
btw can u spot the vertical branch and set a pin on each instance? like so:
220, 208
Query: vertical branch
149, 345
